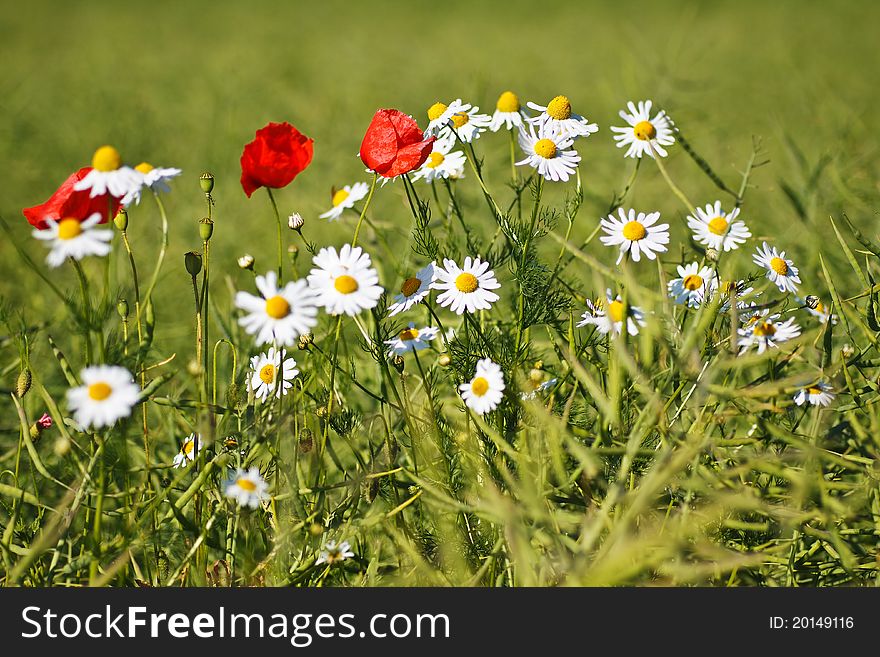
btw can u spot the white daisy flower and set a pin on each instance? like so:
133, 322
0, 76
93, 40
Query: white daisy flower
110, 175
156, 178
190, 449
484, 392
558, 117
72, 238
636, 234
411, 339
333, 553
820, 310
344, 199
465, 124
271, 376
108, 394
442, 163
717, 230
780, 270
692, 285
345, 282
607, 315
247, 487
508, 112
744, 293
765, 333
548, 152
278, 315
468, 288
643, 131
819, 394
439, 116
414, 289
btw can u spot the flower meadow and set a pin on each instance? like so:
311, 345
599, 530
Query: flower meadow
674, 399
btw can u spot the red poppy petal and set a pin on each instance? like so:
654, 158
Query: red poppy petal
410, 158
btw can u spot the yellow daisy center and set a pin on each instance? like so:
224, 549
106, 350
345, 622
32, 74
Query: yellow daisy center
435, 160
68, 229
339, 196
100, 391
692, 282
409, 334
545, 148
727, 287
436, 110
277, 307
345, 284
814, 390
559, 108
779, 265
479, 386
145, 167
106, 158
615, 311
410, 287
246, 484
645, 130
508, 102
466, 282
460, 119
764, 329
188, 447
267, 373
820, 307
634, 231
718, 226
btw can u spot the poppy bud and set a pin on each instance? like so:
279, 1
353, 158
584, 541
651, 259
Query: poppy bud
206, 229
121, 220
23, 384
39, 426
122, 308
206, 182
295, 221
246, 262
193, 262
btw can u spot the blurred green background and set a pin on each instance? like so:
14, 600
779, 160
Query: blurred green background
187, 84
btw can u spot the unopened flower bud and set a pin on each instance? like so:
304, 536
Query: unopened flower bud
230, 442
206, 229
194, 368
444, 360
206, 182
712, 255
246, 261
305, 340
316, 529
23, 384
122, 308
295, 221
38, 427
812, 301
193, 262
233, 395
536, 376
306, 441
61, 446
398, 362
121, 219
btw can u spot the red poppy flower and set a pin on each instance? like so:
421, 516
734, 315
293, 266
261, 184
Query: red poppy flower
66, 203
394, 145
276, 155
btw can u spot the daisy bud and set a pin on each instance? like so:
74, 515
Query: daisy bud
812, 301
712, 255
306, 441
206, 182
397, 362
296, 222
61, 446
536, 376
305, 340
316, 529
121, 219
444, 360
193, 262
194, 368
122, 308
246, 262
23, 384
206, 229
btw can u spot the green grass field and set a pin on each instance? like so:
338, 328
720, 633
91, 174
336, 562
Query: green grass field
624, 477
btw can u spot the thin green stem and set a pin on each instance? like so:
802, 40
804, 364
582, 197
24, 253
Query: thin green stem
357, 228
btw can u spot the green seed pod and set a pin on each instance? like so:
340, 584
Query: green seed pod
206, 229
23, 384
121, 219
122, 308
193, 262
206, 182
